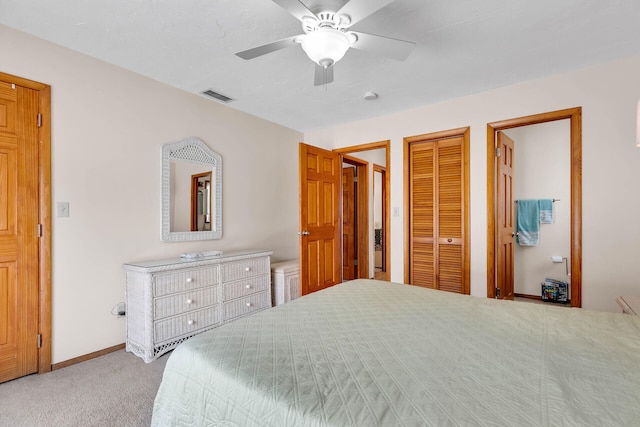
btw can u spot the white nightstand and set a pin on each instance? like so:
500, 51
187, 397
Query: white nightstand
629, 305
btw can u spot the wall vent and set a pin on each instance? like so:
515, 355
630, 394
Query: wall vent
216, 95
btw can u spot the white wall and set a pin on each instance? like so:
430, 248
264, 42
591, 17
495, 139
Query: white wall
541, 170
108, 127
608, 94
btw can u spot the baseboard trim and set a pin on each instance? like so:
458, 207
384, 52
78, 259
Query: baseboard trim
86, 357
538, 297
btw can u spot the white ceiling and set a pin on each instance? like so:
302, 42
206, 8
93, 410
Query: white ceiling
463, 47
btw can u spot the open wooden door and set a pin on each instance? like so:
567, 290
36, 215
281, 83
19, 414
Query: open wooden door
19, 240
574, 115
320, 175
505, 226
348, 224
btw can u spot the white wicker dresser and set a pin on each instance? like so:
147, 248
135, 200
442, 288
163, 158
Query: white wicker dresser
171, 300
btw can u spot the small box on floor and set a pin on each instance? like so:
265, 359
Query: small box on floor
555, 290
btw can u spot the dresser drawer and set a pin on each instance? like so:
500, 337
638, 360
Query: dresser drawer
181, 303
185, 324
245, 305
184, 280
237, 270
244, 287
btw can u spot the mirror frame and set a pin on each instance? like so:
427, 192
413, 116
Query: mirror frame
193, 150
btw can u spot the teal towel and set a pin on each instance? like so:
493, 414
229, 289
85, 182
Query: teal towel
546, 211
528, 223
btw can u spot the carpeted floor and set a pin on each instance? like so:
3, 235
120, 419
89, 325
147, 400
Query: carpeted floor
117, 389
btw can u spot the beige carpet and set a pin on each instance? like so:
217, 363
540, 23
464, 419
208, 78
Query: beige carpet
117, 389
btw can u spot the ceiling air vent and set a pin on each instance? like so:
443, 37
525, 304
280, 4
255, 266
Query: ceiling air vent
217, 95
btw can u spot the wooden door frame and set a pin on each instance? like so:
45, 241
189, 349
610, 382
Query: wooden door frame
383, 171
44, 207
575, 117
463, 132
362, 203
387, 218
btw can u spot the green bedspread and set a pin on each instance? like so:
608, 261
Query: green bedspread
372, 353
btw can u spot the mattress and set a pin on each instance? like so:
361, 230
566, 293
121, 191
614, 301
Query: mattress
373, 353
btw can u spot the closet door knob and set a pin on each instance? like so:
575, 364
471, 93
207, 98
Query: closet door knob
248, 304
247, 269
189, 279
248, 286
190, 322
189, 301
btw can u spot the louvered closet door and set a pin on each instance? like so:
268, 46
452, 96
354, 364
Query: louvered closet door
449, 218
422, 217
436, 192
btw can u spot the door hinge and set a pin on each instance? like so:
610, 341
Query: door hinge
355, 179
39, 341
498, 151
497, 292
355, 262
39, 120
39, 230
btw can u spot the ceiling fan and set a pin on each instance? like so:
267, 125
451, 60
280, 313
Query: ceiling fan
327, 36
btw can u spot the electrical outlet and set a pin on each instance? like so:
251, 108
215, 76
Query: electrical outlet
121, 309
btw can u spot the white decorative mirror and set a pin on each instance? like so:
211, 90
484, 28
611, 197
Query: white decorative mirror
191, 192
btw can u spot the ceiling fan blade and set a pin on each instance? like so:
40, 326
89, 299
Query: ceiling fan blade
267, 48
360, 9
384, 46
323, 75
295, 8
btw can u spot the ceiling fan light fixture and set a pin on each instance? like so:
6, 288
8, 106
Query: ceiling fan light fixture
326, 46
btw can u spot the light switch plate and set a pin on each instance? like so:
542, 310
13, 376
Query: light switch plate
62, 209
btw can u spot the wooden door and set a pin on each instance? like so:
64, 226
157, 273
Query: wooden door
320, 174
422, 217
19, 214
505, 225
348, 224
436, 179
450, 211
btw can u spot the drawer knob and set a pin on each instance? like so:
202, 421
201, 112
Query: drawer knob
247, 269
189, 301
189, 279
191, 322
248, 286
248, 304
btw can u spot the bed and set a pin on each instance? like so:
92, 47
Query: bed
373, 353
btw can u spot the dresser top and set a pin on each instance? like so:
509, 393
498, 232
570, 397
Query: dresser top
176, 263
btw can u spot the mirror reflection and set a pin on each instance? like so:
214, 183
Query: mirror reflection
191, 191
201, 202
